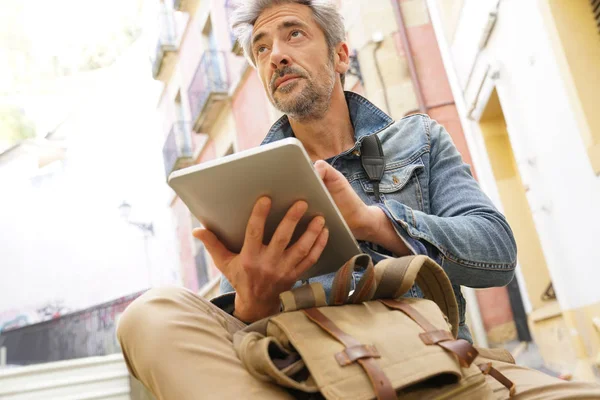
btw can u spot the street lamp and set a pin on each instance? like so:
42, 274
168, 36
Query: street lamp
146, 228
125, 211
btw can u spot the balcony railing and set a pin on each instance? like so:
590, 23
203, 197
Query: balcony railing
208, 89
170, 25
178, 151
235, 46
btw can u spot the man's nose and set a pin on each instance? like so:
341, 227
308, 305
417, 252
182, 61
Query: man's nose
279, 57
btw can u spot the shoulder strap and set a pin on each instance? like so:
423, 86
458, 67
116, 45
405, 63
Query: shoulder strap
373, 161
342, 282
395, 276
305, 296
389, 279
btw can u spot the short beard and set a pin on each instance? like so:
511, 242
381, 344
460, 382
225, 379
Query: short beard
313, 101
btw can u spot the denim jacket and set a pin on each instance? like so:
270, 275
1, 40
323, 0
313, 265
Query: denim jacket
429, 194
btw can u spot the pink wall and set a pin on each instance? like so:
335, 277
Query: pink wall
166, 111
209, 153
251, 113
186, 251
190, 53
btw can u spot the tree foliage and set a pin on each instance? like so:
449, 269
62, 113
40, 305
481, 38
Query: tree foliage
14, 125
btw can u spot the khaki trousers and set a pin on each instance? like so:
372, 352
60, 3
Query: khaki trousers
180, 346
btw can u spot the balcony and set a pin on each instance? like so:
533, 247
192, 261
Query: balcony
209, 89
170, 28
178, 151
235, 46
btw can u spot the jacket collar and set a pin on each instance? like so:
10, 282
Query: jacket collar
366, 119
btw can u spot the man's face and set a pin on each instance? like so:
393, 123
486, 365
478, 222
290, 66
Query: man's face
293, 61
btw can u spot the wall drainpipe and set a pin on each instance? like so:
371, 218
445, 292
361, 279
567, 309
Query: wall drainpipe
409, 56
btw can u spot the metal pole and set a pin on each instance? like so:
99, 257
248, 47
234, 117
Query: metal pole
409, 56
2, 356
148, 269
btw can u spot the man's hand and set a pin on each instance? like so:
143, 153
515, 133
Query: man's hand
358, 216
260, 273
368, 223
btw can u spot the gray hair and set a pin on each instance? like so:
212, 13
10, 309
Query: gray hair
325, 13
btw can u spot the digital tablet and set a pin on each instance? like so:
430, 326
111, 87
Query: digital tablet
222, 193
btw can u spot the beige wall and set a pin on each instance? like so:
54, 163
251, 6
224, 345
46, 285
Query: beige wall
364, 19
450, 11
514, 201
576, 42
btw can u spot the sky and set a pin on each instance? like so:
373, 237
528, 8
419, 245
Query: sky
66, 242
47, 46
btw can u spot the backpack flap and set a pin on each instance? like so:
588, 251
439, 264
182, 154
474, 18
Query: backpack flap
386, 339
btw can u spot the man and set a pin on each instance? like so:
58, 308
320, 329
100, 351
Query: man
180, 345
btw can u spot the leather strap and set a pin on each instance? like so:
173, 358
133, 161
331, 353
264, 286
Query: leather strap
365, 288
381, 384
464, 351
395, 276
351, 354
411, 313
434, 337
487, 369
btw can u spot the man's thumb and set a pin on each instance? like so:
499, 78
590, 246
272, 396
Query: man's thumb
321, 168
330, 176
217, 250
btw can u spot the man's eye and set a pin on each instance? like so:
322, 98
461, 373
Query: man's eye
296, 34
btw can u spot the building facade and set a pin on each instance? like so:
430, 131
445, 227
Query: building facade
524, 74
212, 105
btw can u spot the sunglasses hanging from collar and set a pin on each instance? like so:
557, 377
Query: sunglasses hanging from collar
373, 162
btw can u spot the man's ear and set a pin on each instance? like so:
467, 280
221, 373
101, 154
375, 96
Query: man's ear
342, 58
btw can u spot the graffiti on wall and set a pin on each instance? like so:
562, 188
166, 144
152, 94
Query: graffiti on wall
13, 319
85, 333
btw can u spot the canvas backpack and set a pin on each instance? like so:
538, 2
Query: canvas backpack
371, 343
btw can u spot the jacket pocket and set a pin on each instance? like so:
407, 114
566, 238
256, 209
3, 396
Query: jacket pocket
400, 183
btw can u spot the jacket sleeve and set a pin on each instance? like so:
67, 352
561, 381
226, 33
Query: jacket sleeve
465, 233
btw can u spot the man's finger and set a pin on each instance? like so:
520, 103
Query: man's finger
255, 229
217, 250
283, 234
314, 254
303, 246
